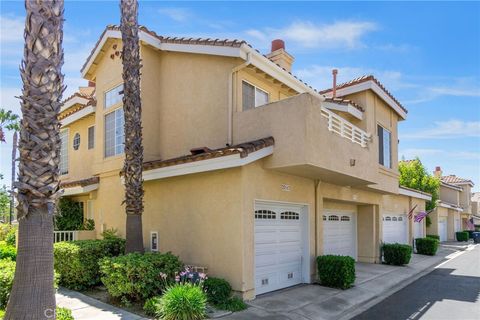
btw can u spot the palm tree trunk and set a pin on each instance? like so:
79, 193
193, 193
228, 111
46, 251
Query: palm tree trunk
133, 126
32, 295
14, 156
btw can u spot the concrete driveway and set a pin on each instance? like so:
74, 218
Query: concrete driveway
374, 282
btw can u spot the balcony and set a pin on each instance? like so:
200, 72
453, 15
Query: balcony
311, 141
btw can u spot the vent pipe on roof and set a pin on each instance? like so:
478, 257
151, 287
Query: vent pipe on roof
334, 87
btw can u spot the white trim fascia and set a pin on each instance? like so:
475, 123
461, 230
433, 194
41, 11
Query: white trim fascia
79, 190
451, 186
372, 85
71, 102
116, 34
77, 115
201, 49
449, 206
414, 194
225, 162
344, 108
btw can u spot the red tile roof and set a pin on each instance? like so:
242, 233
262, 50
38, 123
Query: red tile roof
453, 179
243, 149
80, 183
362, 79
345, 102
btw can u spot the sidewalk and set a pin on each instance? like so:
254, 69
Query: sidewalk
374, 283
86, 308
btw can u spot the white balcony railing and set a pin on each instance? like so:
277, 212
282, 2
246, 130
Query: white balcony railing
345, 129
59, 236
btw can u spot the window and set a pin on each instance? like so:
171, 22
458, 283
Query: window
154, 241
394, 219
384, 147
345, 218
400, 219
388, 219
114, 134
332, 218
252, 96
64, 152
113, 96
76, 141
289, 215
265, 214
91, 137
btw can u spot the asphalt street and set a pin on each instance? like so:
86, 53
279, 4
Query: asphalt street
450, 292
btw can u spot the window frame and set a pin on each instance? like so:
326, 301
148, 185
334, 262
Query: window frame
105, 106
381, 146
62, 131
151, 241
88, 138
255, 88
115, 137
77, 134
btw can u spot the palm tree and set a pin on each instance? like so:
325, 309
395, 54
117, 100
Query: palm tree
133, 126
10, 121
33, 294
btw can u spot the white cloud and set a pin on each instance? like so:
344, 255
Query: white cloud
11, 29
447, 130
439, 154
340, 34
177, 14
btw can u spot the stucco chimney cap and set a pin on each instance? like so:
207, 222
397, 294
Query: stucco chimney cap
278, 44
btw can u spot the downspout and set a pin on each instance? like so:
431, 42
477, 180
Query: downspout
316, 183
231, 96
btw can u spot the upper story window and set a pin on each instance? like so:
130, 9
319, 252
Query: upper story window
252, 96
384, 147
114, 133
91, 137
114, 96
76, 141
64, 151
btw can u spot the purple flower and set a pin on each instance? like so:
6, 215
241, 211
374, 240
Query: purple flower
202, 275
177, 278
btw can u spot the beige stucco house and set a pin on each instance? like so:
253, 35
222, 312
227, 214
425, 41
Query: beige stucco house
454, 207
248, 171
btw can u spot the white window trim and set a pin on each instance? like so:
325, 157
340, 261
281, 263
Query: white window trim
105, 107
79, 141
105, 132
67, 130
88, 137
158, 241
255, 96
390, 166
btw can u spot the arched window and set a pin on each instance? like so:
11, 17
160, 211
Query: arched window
388, 219
394, 219
400, 219
265, 214
76, 141
289, 215
345, 218
324, 218
332, 218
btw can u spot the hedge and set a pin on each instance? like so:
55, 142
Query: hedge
7, 251
433, 236
426, 246
7, 271
397, 254
462, 235
336, 271
77, 261
135, 276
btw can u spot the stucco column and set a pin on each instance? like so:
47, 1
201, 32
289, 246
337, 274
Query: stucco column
368, 233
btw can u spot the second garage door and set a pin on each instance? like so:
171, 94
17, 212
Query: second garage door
442, 228
339, 234
395, 228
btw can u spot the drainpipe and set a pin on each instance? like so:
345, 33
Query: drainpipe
231, 96
334, 87
316, 183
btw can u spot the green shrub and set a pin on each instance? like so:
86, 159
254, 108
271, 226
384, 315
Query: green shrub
397, 254
111, 233
426, 246
88, 224
77, 261
336, 271
7, 271
151, 306
4, 230
183, 302
11, 236
233, 304
433, 236
217, 290
70, 215
7, 251
63, 314
2, 314
461, 235
135, 276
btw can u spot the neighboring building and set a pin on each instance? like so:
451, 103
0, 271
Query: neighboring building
248, 170
454, 206
476, 207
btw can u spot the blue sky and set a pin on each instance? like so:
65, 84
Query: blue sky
427, 54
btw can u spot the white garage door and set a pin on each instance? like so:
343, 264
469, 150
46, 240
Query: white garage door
457, 224
339, 234
280, 246
395, 228
442, 229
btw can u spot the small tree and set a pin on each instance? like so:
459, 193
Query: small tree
414, 175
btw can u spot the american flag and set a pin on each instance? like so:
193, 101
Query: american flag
410, 213
470, 224
421, 215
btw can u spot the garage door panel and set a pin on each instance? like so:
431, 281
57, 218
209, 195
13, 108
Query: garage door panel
395, 228
339, 234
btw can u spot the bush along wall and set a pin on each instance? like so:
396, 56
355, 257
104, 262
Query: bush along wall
396, 254
77, 261
426, 246
336, 271
462, 235
433, 236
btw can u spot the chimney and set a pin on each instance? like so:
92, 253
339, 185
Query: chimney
334, 87
438, 172
91, 84
279, 56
